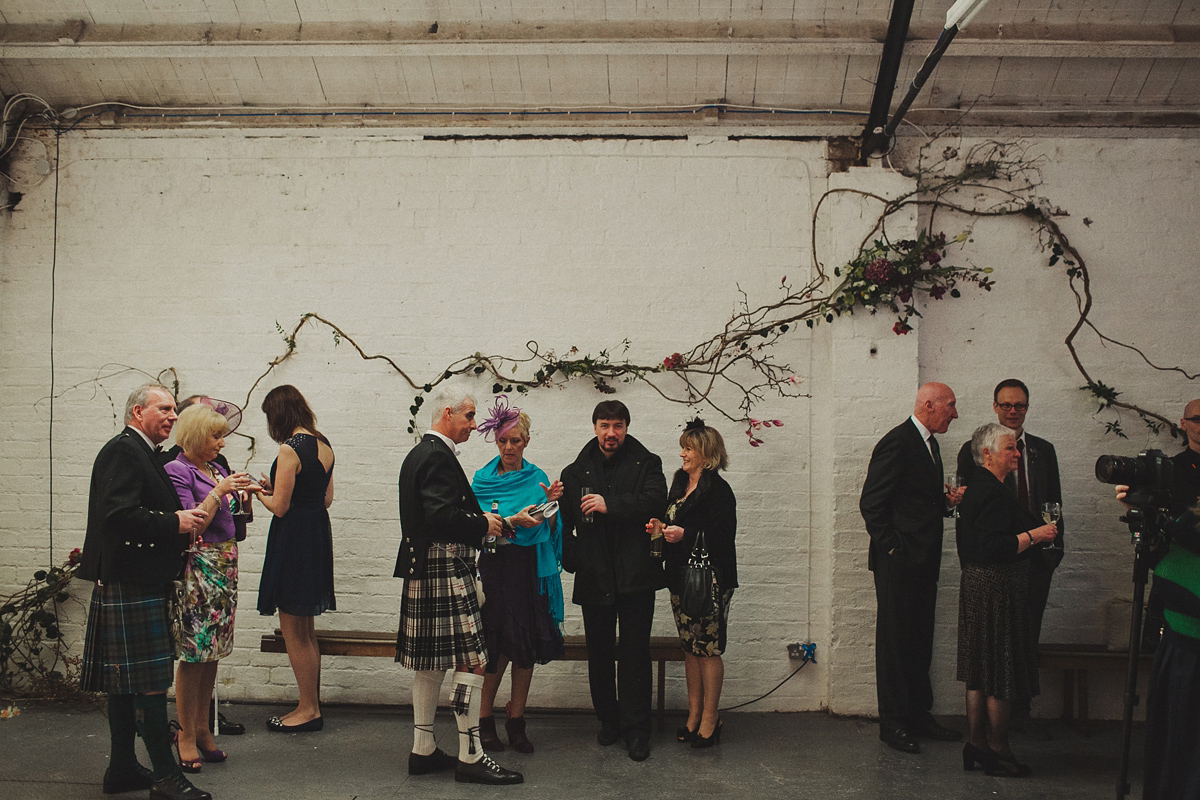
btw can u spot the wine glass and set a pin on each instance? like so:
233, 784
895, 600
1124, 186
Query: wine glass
952, 483
1051, 513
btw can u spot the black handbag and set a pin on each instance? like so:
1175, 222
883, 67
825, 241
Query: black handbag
698, 598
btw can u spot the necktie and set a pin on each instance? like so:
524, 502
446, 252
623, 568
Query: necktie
1022, 479
937, 454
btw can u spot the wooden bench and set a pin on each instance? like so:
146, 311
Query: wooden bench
383, 645
1075, 661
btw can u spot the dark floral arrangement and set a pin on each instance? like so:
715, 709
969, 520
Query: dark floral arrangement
890, 274
33, 656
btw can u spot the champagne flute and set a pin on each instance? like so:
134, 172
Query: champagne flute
1051, 512
952, 483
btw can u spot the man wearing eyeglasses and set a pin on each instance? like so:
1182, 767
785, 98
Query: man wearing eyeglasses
1035, 481
1187, 463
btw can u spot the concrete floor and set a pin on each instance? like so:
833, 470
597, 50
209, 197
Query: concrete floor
59, 753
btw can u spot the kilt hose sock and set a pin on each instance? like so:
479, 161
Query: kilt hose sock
427, 685
465, 700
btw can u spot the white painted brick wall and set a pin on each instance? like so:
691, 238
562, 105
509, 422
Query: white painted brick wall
431, 250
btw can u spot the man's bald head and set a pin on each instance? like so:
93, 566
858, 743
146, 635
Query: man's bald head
935, 407
1191, 425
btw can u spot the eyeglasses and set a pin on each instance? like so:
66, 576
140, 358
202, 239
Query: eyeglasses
1012, 406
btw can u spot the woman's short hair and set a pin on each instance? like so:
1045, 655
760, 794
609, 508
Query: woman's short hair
521, 426
708, 443
987, 437
196, 424
287, 410
451, 397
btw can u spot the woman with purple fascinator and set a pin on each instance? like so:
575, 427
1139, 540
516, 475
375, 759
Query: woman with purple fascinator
523, 614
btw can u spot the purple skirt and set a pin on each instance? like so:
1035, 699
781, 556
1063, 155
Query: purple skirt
516, 618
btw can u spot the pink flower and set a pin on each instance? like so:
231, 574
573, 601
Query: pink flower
879, 271
673, 361
901, 328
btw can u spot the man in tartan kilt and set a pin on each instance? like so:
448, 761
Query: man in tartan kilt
137, 536
440, 624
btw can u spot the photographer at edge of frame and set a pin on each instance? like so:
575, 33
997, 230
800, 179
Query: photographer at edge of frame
1172, 765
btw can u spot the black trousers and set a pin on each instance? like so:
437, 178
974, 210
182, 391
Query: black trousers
1039, 594
619, 674
906, 597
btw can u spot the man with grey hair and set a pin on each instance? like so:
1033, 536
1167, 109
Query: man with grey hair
137, 537
440, 624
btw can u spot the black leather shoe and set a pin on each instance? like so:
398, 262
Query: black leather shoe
437, 761
137, 780
931, 730
639, 748
230, 728
486, 771
177, 787
609, 734
898, 739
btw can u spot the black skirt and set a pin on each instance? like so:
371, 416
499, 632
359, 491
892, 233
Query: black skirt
516, 617
996, 651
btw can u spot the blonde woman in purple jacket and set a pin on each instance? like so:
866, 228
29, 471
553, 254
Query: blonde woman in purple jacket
205, 627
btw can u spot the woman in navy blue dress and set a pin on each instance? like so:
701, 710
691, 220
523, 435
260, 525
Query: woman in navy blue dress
297, 576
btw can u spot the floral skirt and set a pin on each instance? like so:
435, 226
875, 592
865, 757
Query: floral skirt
703, 636
208, 602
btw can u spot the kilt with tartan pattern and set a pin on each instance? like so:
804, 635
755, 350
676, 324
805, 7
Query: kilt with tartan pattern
128, 647
440, 624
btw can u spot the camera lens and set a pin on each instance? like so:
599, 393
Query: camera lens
1120, 470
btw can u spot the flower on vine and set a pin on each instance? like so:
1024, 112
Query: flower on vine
879, 271
901, 328
905, 295
73, 558
932, 257
673, 361
937, 291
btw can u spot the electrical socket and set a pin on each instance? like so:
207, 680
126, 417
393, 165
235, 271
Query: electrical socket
802, 652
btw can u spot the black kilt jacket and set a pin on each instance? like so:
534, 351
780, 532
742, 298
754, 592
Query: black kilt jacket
436, 505
132, 530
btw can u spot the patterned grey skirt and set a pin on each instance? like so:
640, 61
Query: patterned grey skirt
996, 651
440, 624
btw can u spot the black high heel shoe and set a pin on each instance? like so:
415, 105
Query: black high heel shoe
684, 734
985, 757
1008, 767
699, 742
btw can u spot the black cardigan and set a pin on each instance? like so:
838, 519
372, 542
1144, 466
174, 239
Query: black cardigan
989, 519
711, 508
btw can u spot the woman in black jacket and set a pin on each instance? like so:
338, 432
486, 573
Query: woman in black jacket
701, 501
997, 657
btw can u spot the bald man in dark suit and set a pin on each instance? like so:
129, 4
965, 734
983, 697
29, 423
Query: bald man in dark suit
904, 503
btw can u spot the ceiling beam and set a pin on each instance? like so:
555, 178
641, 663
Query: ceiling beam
77, 41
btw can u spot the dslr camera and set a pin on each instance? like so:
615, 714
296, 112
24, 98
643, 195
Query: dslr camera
1149, 476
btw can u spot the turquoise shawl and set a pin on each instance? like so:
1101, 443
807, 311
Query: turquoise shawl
515, 491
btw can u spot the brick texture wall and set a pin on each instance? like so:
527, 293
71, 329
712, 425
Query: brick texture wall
183, 250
